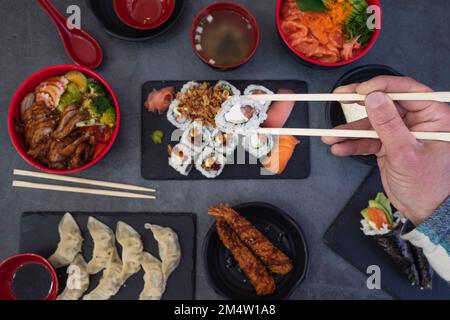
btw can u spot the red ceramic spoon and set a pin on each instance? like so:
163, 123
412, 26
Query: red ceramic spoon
80, 46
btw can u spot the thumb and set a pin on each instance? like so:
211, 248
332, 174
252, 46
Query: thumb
385, 119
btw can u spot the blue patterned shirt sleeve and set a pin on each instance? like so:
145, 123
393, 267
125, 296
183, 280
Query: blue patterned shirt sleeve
437, 226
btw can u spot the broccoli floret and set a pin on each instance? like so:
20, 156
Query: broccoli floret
109, 117
95, 90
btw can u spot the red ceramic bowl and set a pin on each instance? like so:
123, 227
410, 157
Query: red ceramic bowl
310, 61
219, 6
9, 267
144, 14
29, 86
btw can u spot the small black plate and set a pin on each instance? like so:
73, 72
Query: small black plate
104, 11
335, 115
39, 234
154, 163
223, 272
346, 238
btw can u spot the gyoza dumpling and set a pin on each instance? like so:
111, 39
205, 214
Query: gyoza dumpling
104, 245
155, 282
169, 248
132, 248
78, 280
111, 281
69, 244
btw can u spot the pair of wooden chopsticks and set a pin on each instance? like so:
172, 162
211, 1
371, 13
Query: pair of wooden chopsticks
412, 96
420, 96
101, 192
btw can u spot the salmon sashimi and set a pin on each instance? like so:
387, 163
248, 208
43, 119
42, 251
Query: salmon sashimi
280, 155
279, 112
256, 272
159, 100
275, 260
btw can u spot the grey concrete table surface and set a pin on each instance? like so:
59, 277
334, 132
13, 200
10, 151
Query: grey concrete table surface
414, 40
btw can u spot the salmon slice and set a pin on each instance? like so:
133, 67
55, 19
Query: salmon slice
280, 155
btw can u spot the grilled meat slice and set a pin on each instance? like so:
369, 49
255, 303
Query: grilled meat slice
275, 260
69, 122
258, 275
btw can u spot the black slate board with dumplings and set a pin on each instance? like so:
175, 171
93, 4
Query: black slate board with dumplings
154, 165
346, 239
39, 234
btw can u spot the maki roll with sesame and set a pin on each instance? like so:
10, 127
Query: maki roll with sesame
384, 228
239, 115
181, 158
196, 137
177, 116
210, 163
224, 143
256, 90
258, 144
225, 85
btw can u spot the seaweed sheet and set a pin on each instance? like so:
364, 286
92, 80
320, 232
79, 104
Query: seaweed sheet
423, 267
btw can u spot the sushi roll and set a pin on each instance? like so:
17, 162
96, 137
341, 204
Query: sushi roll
181, 159
224, 143
254, 89
224, 85
188, 86
239, 115
176, 116
210, 163
196, 137
385, 230
258, 144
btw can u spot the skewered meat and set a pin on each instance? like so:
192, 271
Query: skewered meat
258, 275
273, 258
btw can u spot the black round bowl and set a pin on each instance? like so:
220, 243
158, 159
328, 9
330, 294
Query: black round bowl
333, 112
224, 274
104, 11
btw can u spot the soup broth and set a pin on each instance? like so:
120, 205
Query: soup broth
225, 38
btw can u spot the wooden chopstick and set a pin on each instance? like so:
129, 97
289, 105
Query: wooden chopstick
432, 136
99, 183
40, 186
419, 96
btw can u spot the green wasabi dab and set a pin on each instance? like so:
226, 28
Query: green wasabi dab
157, 136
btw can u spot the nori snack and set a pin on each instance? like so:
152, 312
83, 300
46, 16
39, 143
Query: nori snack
400, 253
423, 267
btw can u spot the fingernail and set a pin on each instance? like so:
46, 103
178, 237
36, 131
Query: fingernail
376, 99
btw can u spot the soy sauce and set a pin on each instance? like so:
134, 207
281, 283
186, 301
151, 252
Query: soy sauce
225, 38
32, 281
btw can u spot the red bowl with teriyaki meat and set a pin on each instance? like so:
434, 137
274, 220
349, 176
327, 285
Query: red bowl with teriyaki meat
64, 119
328, 33
225, 35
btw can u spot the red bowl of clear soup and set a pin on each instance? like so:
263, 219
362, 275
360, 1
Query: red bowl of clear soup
27, 277
144, 14
309, 60
225, 35
101, 137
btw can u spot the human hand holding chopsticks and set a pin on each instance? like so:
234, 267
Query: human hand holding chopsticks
415, 174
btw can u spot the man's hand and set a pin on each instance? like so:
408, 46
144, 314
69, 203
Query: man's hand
415, 174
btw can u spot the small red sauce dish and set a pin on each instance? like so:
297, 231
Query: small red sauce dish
315, 63
28, 86
225, 35
144, 14
10, 270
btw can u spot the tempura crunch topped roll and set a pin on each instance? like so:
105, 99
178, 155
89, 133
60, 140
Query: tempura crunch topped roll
275, 260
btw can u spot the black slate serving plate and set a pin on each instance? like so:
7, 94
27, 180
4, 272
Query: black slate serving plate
335, 115
39, 234
104, 11
346, 239
154, 165
224, 274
